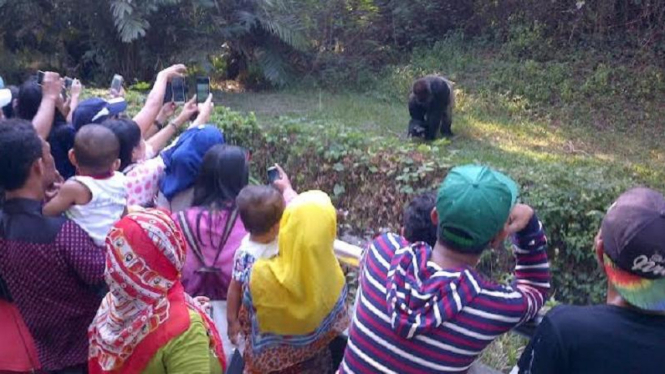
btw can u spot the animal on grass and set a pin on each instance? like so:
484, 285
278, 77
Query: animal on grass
431, 105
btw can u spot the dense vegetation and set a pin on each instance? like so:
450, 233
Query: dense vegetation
275, 40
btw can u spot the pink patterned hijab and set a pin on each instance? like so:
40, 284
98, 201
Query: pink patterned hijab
146, 305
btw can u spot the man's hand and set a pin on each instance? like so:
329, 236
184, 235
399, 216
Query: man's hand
519, 218
178, 70
51, 86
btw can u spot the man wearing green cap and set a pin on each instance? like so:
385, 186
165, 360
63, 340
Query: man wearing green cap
424, 309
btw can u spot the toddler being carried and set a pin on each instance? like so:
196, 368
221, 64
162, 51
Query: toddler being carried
97, 196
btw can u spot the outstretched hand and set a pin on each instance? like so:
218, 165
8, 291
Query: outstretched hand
519, 218
205, 110
283, 183
177, 70
52, 85
77, 87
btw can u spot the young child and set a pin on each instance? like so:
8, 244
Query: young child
260, 209
97, 196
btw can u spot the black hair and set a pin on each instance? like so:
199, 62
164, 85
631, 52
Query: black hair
20, 147
224, 172
418, 226
129, 136
8, 110
474, 250
29, 99
260, 208
96, 148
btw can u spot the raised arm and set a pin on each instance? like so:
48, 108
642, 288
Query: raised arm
532, 269
159, 140
74, 101
205, 110
51, 88
146, 117
71, 193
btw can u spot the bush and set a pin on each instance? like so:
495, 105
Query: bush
373, 178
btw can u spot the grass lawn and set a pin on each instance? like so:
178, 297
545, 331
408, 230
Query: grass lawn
498, 133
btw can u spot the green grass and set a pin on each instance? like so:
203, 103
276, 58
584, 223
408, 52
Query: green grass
497, 132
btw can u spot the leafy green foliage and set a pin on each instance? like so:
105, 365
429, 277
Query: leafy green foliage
374, 177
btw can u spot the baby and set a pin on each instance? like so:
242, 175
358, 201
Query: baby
97, 196
260, 209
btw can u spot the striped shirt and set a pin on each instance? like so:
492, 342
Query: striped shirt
414, 317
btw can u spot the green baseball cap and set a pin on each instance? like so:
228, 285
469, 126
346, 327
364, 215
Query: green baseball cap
473, 205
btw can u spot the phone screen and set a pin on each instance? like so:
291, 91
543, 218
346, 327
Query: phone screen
116, 83
202, 89
273, 175
40, 77
178, 85
168, 94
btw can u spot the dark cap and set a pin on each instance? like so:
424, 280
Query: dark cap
97, 110
633, 233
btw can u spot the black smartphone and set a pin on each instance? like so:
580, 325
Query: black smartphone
116, 83
202, 89
178, 84
168, 94
40, 77
68, 83
273, 174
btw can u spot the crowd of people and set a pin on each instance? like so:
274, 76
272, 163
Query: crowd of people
124, 250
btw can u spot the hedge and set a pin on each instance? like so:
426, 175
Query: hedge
374, 177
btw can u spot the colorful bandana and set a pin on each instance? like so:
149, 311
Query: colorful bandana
146, 305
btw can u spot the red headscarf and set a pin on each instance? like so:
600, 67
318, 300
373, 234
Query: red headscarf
146, 305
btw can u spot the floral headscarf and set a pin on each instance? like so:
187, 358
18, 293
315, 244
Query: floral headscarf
146, 305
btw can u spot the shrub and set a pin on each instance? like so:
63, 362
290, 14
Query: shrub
373, 178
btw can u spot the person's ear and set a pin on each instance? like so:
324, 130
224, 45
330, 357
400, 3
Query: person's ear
72, 158
434, 216
599, 248
38, 169
116, 164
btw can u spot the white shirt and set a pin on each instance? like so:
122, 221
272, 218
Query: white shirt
109, 199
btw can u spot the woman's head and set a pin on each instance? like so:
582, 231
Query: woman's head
29, 99
224, 172
132, 148
183, 161
287, 289
146, 250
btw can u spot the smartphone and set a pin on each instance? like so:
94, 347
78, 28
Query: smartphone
273, 175
40, 77
68, 83
202, 89
116, 83
178, 85
168, 94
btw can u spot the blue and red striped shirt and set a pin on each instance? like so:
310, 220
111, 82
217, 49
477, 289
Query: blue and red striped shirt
412, 316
